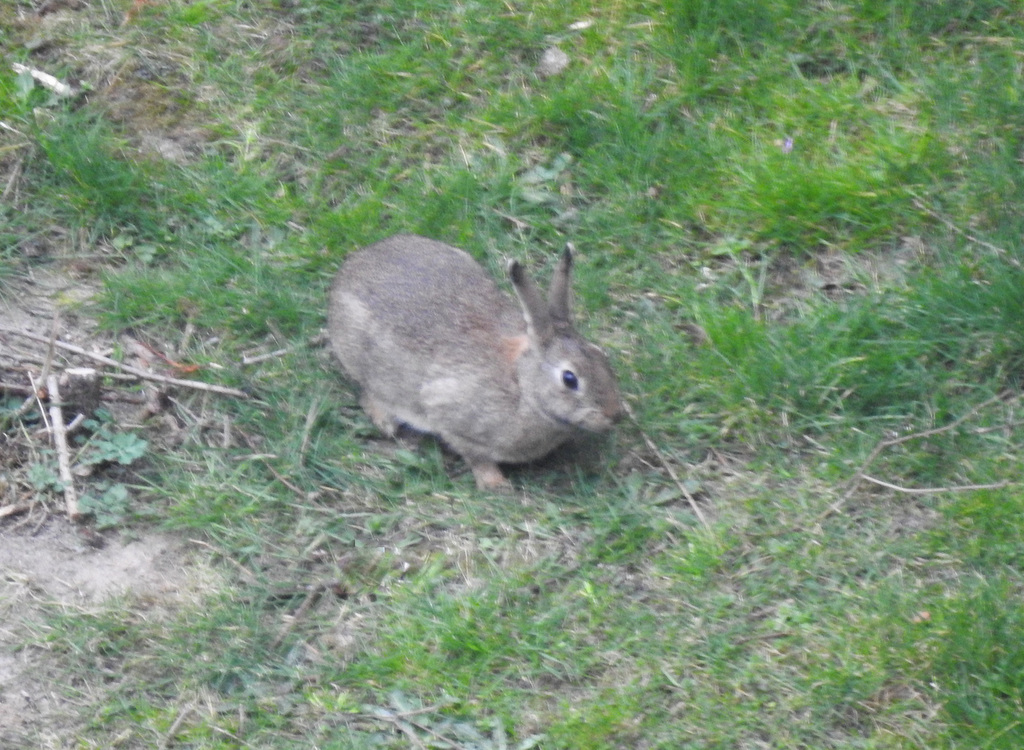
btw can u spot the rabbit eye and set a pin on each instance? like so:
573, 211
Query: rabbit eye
569, 380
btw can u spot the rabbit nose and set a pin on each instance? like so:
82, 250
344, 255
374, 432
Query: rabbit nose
614, 410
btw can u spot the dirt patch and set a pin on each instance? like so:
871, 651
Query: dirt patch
60, 570
49, 565
61, 564
28, 302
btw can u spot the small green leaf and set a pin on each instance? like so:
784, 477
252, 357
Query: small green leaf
24, 84
42, 477
122, 447
108, 509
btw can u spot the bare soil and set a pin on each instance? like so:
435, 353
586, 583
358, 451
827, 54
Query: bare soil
49, 565
55, 570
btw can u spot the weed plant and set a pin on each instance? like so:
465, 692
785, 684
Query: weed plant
799, 236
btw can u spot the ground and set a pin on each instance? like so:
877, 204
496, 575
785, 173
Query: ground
51, 565
53, 568
798, 234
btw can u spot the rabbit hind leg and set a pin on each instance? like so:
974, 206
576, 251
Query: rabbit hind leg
379, 414
489, 477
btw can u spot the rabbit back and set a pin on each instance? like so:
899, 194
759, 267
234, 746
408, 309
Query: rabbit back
407, 311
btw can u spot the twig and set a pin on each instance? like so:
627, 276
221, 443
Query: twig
998, 427
403, 722
315, 592
176, 366
48, 361
21, 390
13, 510
142, 374
28, 519
517, 223
957, 230
225, 434
417, 711
60, 443
32, 398
859, 475
230, 735
43, 518
668, 467
246, 573
307, 428
406, 729
277, 475
75, 423
247, 360
934, 490
45, 79
172, 732
38, 394
12, 181
438, 737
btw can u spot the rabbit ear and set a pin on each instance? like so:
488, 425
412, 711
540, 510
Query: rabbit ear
535, 309
559, 292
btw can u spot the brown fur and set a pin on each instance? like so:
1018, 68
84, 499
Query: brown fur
434, 344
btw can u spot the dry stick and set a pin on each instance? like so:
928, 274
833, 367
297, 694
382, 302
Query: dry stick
225, 436
668, 467
315, 591
406, 725
955, 229
29, 400
254, 359
934, 490
859, 475
517, 223
142, 374
277, 474
21, 390
999, 427
47, 364
27, 520
436, 735
50, 350
230, 735
246, 573
39, 391
400, 715
172, 732
60, 442
12, 181
43, 518
405, 729
45, 79
307, 428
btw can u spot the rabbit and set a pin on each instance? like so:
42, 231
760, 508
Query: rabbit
435, 345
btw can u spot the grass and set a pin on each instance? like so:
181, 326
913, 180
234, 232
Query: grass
799, 236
